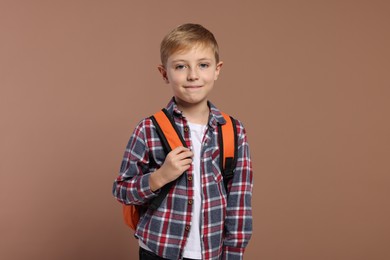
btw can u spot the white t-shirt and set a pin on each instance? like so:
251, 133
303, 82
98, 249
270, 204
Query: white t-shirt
193, 247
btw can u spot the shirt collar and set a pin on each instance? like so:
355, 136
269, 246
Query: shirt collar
215, 116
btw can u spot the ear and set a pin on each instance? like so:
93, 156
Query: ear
218, 70
163, 73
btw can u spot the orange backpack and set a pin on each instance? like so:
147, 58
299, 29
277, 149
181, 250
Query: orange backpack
171, 138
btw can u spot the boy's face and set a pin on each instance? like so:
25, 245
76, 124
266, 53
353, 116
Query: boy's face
191, 74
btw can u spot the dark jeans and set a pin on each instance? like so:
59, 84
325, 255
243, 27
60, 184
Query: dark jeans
146, 255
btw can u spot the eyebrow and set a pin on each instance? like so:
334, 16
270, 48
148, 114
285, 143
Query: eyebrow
181, 60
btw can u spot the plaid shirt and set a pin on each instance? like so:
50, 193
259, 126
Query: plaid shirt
226, 220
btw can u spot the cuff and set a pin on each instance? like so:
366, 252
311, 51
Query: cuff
144, 188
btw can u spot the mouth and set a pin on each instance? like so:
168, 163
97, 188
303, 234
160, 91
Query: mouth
192, 87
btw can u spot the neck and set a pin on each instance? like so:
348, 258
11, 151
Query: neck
197, 114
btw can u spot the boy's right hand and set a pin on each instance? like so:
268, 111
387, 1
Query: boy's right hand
177, 161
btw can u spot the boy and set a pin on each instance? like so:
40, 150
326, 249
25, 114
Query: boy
198, 219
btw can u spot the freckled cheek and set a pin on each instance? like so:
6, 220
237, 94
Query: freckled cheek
209, 78
177, 82
177, 78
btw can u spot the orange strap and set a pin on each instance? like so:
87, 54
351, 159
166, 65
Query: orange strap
228, 138
166, 126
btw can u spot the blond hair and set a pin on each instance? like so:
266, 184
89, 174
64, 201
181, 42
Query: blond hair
185, 37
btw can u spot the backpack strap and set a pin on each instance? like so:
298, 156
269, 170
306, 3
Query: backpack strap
228, 146
167, 130
170, 138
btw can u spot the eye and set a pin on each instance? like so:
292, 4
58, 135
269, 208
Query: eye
180, 67
204, 65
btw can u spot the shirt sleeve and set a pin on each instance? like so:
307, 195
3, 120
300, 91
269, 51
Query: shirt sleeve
132, 184
238, 223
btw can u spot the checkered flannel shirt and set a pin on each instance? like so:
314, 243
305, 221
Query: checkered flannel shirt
226, 222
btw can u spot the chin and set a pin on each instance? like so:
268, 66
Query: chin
192, 101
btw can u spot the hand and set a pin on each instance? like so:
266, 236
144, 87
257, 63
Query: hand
176, 163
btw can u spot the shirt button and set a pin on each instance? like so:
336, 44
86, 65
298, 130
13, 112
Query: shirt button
187, 228
190, 202
189, 178
186, 129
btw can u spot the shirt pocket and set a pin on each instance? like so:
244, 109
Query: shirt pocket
216, 165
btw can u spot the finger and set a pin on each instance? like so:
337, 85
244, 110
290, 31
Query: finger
179, 150
186, 165
183, 163
187, 161
184, 155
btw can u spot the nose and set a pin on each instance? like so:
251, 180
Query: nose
192, 75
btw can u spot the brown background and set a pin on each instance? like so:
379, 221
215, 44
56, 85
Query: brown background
309, 79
